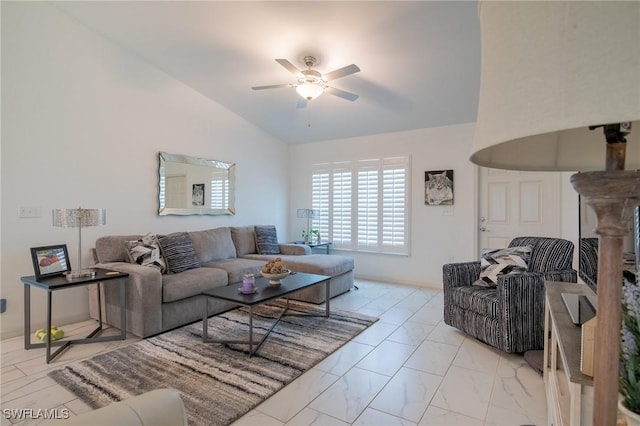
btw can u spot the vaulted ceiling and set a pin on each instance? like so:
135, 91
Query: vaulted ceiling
419, 60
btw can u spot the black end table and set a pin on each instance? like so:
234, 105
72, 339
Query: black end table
56, 283
325, 246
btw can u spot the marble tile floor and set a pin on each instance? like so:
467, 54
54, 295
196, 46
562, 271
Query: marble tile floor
409, 368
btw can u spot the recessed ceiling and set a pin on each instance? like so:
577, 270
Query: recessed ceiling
419, 60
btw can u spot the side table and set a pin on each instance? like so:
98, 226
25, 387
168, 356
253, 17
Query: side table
52, 284
326, 245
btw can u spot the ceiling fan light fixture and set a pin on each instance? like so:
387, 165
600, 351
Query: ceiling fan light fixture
309, 91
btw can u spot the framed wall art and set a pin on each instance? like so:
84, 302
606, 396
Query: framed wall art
438, 188
197, 195
50, 261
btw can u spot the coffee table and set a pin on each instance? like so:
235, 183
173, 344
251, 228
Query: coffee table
264, 293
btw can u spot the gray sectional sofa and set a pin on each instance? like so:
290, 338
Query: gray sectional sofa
158, 302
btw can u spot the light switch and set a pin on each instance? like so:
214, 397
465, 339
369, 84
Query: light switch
447, 211
30, 211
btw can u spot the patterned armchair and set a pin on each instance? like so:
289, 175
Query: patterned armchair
510, 316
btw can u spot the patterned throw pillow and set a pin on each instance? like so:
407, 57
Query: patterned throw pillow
267, 239
146, 252
178, 252
512, 260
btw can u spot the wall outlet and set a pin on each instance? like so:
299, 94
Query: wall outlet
3, 305
30, 211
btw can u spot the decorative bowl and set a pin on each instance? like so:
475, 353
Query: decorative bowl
274, 279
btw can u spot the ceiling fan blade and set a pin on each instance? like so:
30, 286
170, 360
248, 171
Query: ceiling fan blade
302, 103
273, 86
290, 67
341, 93
341, 72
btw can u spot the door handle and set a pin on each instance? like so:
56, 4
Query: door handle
483, 229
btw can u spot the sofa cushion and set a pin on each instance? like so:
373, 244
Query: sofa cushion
481, 300
323, 264
512, 260
244, 238
267, 239
146, 252
113, 248
178, 251
191, 283
236, 267
213, 244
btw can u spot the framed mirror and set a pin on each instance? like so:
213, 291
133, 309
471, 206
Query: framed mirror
195, 186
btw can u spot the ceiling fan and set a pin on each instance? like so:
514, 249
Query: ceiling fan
312, 83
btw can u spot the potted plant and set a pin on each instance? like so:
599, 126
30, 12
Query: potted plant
316, 236
630, 354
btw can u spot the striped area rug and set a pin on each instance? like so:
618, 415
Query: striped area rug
218, 383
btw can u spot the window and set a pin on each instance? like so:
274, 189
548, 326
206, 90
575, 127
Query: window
363, 205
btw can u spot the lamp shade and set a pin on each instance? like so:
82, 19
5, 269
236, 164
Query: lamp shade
309, 91
551, 69
77, 218
307, 213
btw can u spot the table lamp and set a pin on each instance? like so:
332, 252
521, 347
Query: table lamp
307, 214
560, 91
79, 218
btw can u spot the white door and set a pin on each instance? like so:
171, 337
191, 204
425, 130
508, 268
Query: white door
517, 204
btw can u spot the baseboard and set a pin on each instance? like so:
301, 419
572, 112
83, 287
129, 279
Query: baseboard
402, 282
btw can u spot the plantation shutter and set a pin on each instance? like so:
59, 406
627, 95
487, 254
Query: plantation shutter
363, 205
341, 221
368, 205
394, 205
320, 202
219, 194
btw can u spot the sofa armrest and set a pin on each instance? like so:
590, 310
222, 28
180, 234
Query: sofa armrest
143, 295
521, 310
159, 407
567, 276
295, 249
460, 274
456, 275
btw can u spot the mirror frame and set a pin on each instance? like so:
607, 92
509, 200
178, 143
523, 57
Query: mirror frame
166, 158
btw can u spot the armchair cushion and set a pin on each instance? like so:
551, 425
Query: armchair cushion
512, 260
477, 299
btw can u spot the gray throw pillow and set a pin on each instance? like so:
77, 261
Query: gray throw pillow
267, 239
178, 251
513, 260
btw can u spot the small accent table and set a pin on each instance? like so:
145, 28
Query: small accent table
326, 245
52, 284
264, 293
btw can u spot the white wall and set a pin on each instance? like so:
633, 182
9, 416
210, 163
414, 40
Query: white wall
82, 124
439, 234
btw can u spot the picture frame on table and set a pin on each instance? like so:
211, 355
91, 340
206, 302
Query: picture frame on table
49, 261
